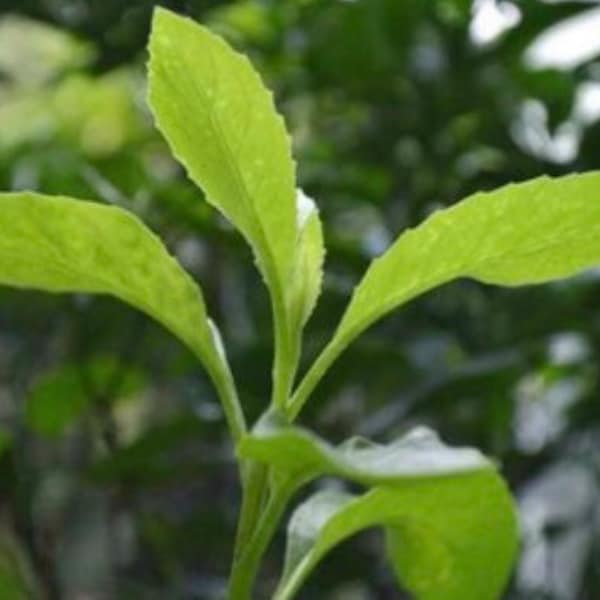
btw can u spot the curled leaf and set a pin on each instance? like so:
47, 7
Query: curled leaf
295, 450
449, 538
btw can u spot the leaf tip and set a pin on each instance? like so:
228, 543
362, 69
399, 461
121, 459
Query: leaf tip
160, 15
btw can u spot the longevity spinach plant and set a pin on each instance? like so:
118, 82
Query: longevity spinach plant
448, 517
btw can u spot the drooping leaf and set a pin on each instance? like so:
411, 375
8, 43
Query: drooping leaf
431, 499
520, 234
449, 538
300, 454
308, 272
221, 123
57, 244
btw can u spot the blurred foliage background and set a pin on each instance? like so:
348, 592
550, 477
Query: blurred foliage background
116, 474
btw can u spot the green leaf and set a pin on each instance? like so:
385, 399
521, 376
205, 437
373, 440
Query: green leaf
308, 272
431, 498
520, 234
449, 538
57, 244
221, 123
301, 455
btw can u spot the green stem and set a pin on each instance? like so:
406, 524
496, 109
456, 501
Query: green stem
313, 376
246, 566
257, 526
226, 390
291, 587
286, 357
254, 486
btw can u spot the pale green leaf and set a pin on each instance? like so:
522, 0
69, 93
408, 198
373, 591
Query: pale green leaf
308, 269
526, 233
57, 244
449, 538
221, 123
301, 455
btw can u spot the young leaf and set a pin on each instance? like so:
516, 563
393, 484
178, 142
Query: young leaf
520, 234
301, 455
57, 244
449, 538
221, 123
308, 269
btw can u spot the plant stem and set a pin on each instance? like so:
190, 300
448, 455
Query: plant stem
226, 390
313, 376
254, 485
257, 526
286, 358
245, 567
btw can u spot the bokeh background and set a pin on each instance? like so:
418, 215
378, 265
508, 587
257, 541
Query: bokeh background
116, 474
